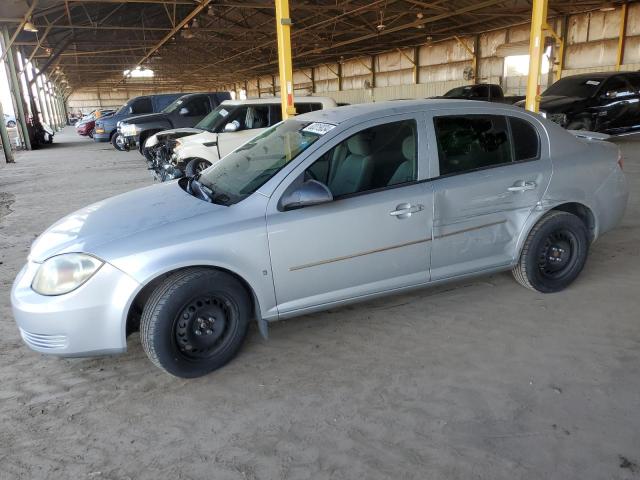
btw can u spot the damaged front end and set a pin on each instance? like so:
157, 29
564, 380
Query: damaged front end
163, 162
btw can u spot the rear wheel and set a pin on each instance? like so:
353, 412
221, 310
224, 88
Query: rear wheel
195, 166
554, 253
195, 322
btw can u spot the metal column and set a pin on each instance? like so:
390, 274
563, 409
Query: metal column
6, 142
624, 13
536, 47
283, 30
16, 91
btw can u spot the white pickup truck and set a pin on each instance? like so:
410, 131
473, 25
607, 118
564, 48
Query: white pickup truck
234, 122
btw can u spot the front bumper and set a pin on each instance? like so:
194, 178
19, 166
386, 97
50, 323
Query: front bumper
90, 320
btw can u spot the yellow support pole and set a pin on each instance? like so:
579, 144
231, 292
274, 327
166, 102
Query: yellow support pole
536, 47
283, 30
623, 33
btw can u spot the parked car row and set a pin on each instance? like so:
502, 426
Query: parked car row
184, 134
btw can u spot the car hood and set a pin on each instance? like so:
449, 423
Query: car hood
203, 137
171, 134
146, 118
117, 218
558, 103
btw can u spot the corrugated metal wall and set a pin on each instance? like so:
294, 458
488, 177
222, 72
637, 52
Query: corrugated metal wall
591, 45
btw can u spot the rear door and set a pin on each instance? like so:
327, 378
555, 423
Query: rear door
487, 186
194, 109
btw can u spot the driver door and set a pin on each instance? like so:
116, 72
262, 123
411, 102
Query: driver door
192, 111
248, 122
375, 235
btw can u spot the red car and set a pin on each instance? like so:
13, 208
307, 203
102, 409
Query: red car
86, 128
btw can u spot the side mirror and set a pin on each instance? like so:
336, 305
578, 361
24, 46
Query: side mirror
184, 111
231, 127
311, 192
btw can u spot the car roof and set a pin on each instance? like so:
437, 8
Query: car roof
394, 107
276, 100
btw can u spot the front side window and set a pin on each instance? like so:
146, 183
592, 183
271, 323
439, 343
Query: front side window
374, 158
247, 168
197, 106
471, 142
243, 117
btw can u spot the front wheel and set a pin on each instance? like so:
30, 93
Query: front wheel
195, 322
554, 253
196, 166
91, 132
11, 124
118, 142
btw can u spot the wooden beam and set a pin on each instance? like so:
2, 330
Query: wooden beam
624, 13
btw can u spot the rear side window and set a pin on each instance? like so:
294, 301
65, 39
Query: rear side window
472, 142
307, 107
142, 105
526, 144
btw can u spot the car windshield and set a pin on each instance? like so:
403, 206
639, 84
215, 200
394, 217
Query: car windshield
581, 87
173, 105
214, 119
247, 168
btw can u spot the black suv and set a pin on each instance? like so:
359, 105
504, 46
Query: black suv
607, 102
106, 127
186, 111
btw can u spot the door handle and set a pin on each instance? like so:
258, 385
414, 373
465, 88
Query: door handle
404, 210
522, 186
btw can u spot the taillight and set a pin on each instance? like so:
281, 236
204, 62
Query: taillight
620, 160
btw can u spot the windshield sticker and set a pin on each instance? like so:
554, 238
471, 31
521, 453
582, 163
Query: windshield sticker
223, 112
318, 128
592, 82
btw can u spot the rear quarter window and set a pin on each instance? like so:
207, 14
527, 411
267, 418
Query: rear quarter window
526, 142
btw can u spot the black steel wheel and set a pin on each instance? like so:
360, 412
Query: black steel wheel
196, 166
204, 326
11, 124
554, 253
195, 321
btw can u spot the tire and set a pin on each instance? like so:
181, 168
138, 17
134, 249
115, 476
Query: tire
583, 124
187, 302
118, 142
11, 124
91, 133
553, 254
195, 166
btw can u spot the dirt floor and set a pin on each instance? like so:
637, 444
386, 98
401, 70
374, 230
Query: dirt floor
482, 379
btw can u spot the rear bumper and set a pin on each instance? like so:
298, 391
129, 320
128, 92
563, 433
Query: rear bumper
101, 137
90, 320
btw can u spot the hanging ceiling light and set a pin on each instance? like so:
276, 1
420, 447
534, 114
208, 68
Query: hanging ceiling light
29, 27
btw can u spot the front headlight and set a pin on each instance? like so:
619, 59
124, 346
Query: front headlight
63, 273
129, 130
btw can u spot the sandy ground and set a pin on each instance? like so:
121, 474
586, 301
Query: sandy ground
483, 379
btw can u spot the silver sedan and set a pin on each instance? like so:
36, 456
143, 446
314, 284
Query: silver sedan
324, 209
